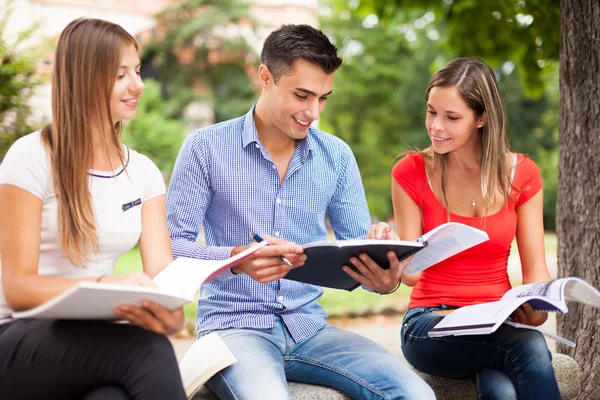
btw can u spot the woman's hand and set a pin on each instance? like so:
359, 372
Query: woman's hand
153, 317
382, 231
150, 315
525, 314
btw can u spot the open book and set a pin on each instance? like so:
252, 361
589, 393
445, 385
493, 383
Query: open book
323, 266
481, 319
207, 356
176, 285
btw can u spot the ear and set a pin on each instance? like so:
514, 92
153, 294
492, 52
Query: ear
482, 120
265, 77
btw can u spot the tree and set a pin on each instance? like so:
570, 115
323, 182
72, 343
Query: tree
522, 31
578, 207
17, 81
201, 51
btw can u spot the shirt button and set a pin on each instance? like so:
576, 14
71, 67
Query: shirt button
257, 146
277, 233
273, 166
280, 298
278, 201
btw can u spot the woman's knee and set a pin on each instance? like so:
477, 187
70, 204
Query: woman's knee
493, 384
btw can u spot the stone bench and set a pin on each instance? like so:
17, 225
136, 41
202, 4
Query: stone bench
566, 369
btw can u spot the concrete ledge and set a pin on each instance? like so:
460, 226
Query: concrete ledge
566, 369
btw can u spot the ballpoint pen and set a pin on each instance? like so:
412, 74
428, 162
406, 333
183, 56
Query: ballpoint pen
258, 239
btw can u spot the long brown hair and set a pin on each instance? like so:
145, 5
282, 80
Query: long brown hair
86, 65
477, 86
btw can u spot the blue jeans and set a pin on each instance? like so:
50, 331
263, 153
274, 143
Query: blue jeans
267, 358
510, 363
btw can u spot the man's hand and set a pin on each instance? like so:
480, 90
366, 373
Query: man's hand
373, 276
525, 314
265, 265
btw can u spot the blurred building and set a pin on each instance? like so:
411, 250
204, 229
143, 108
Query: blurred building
137, 17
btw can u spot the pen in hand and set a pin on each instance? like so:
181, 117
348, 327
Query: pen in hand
258, 239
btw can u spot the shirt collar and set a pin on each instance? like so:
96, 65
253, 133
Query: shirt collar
250, 134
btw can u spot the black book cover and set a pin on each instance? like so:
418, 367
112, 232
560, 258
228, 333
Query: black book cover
323, 266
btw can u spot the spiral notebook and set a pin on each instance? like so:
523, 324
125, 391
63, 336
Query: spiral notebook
481, 319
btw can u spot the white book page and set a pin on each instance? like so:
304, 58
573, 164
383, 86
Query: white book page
89, 300
205, 357
473, 319
443, 242
184, 276
577, 289
552, 291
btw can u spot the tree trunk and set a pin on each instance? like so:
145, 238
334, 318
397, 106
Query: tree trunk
578, 203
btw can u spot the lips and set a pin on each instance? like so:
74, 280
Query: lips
302, 122
131, 102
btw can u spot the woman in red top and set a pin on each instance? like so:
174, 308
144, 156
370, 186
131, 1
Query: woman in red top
469, 175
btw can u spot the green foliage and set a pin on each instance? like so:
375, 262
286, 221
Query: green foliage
17, 81
202, 55
523, 31
151, 133
378, 105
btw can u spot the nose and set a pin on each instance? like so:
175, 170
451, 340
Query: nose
137, 85
314, 109
436, 124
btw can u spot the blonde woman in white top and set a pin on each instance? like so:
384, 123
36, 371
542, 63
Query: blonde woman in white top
73, 199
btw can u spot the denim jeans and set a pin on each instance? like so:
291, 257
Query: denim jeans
510, 363
267, 358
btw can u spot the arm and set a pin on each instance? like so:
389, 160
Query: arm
348, 210
408, 218
530, 240
20, 231
155, 249
188, 199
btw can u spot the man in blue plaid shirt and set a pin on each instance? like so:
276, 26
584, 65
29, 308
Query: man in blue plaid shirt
271, 172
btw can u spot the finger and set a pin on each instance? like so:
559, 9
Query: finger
379, 230
528, 309
271, 274
142, 318
166, 317
279, 250
389, 234
364, 269
520, 314
358, 277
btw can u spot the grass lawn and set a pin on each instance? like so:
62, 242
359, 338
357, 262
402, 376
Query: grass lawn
335, 302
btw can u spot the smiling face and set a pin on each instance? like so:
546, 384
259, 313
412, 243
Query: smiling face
450, 122
296, 100
128, 86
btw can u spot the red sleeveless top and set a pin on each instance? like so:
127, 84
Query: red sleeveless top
478, 274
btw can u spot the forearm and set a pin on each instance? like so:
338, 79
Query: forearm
28, 291
536, 273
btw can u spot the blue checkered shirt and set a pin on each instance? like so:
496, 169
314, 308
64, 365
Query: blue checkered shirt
225, 181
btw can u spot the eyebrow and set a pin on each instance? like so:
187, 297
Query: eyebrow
447, 111
313, 93
125, 66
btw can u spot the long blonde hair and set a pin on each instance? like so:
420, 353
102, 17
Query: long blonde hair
477, 86
87, 60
